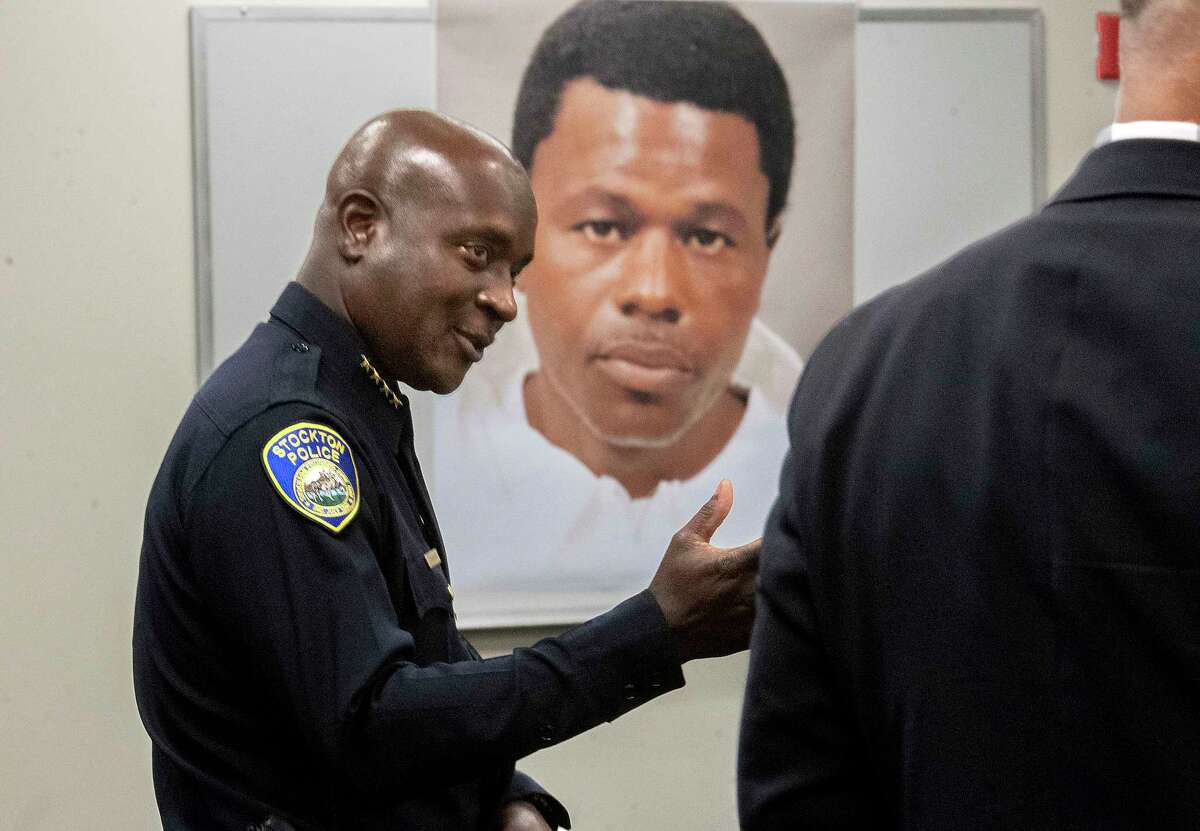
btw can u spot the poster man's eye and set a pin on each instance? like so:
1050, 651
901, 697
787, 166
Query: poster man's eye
707, 241
602, 230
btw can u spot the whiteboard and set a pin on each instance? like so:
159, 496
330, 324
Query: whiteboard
949, 138
276, 93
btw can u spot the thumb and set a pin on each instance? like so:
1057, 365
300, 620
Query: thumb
711, 514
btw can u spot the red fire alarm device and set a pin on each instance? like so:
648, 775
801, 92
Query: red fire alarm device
1108, 27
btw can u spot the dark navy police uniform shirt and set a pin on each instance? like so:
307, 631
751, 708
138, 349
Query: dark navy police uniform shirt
307, 665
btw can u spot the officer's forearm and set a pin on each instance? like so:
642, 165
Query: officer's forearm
452, 722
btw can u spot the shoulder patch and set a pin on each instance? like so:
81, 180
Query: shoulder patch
313, 469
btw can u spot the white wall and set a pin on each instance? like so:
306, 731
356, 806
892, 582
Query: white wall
98, 359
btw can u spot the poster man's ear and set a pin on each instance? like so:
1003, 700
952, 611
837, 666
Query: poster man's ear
774, 231
359, 215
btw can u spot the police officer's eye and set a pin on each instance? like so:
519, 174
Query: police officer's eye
706, 240
602, 230
477, 254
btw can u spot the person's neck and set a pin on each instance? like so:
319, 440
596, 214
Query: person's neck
1159, 104
638, 469
314, 275
1155, 88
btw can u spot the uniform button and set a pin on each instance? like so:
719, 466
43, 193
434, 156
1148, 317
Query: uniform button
300, 346
630, 692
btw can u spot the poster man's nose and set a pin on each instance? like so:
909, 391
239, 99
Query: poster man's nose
653, 274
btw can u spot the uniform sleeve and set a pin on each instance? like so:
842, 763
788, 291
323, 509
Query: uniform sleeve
309, 612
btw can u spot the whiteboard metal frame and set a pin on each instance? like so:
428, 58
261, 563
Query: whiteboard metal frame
1037, 50
199, 19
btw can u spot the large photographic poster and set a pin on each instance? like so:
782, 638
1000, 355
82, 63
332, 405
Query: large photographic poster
692, 247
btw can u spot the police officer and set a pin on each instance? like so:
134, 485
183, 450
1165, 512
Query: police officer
296, 658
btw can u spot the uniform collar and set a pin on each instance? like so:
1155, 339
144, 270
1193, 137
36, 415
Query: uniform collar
315, 322
341, 371
1147, 167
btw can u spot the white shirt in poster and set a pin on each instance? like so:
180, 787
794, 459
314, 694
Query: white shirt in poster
533, 536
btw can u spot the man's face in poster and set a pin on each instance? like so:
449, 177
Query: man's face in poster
651, 250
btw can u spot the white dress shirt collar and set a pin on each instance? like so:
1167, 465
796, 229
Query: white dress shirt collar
1172, 130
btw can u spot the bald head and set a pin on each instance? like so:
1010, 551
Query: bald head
1160, 61
425, 224
414, 155
404, 165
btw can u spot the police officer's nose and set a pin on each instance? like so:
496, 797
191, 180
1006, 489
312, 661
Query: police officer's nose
653, 272
497, 299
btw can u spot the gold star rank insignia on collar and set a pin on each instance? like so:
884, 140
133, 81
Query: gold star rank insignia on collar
394, 398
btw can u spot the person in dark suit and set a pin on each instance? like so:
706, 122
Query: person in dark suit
297, 660
979, 602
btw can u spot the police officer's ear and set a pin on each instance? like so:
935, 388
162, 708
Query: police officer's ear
774, 230
359, 215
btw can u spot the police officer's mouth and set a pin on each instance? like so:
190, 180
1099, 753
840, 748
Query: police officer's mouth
473, 343
645, 366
